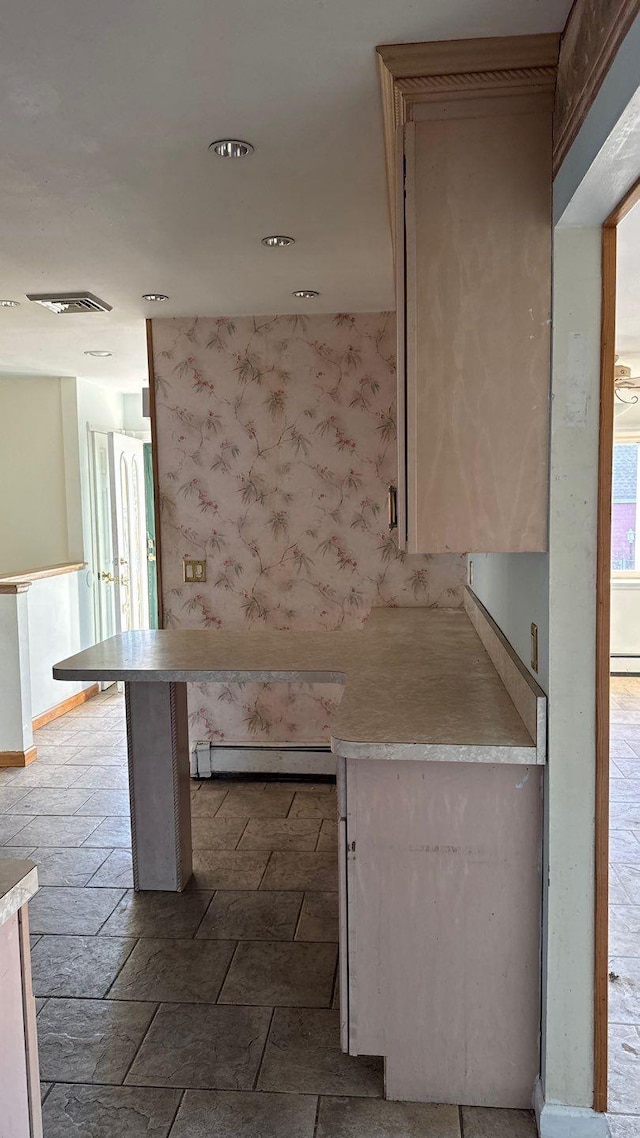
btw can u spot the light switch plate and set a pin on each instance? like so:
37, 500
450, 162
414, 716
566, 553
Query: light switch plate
471, 574
534, 647
194, 572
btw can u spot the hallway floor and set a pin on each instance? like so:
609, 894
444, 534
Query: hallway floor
624, 908
212, 1012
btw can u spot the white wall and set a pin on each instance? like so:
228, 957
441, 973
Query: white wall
514, 587
55, 632
39, 522
625, 618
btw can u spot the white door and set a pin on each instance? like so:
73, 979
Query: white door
129, 536
102, 536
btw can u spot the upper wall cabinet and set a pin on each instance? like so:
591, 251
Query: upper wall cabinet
468, 133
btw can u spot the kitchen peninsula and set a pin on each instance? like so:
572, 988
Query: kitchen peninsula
440, 741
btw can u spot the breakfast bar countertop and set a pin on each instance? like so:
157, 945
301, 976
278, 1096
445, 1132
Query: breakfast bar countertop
419, 682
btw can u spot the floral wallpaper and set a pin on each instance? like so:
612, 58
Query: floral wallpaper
276, 444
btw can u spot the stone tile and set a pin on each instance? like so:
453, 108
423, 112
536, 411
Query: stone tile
40, 1002
71, 911
49, 832
201, 1046
43, 800
244, 1114
251, 915
624, 930
89, 737
116, 870
16, 851
282, 834
628, 765
624, 992
82, 1111
624, 847
371, 1118
483, 1122
52, 755
303, 1055
624, 1069
219, 833
624, 815
99, 756
313, 871
618, 749
10, 796
157, 914
110, 832
281, 974
328, 839
44, 1090
10, 825
624, 789
617, 895
77, 965
43, 775
109, 803
207, 802
183, 971
90, 1041
228, 869
629, 878
67, 865
623, 1125
319, 917
248, 802
102, 778
306, 805
309, 786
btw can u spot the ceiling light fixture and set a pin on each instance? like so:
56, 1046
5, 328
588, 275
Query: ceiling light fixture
306, 293
277, 241
98, 355
9, 303
154, 296
231, 148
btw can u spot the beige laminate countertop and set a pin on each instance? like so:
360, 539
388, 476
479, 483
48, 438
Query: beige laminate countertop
18, 883
419, 683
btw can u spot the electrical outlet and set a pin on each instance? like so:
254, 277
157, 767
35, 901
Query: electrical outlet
534, 647
194, 572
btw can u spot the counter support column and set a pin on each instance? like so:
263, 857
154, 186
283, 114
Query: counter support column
158, 750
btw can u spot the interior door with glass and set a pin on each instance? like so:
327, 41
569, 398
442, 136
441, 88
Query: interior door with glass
102, 535
126, 462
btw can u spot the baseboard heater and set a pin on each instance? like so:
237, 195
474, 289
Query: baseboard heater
209, 759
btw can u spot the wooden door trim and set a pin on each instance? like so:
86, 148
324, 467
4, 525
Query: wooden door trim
603, 668
154, 468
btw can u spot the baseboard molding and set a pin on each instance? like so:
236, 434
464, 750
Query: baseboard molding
557, 1121
18, 758
66, 705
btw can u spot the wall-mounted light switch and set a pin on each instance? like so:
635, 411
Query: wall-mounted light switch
194, 572
534, 647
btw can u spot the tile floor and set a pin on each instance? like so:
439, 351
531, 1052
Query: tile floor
624, 909
207, 1013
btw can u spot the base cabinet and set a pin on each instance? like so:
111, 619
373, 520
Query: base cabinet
20, 1111
440, 938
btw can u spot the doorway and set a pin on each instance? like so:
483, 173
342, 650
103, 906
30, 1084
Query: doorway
617, 996
123, 533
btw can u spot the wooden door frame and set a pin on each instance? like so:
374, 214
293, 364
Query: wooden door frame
603, 666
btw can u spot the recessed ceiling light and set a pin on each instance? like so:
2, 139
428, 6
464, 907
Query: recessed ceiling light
99, 355
277, 241
154, 296
231, 148
306, 293
9, 303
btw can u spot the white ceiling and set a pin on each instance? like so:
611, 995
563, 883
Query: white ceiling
106, 183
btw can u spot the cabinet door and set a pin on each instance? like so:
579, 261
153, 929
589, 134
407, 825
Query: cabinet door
478, 290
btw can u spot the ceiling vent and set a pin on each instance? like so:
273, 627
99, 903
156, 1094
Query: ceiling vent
68, 303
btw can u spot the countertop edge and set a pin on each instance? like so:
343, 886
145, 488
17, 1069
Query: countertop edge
18, 884
438, 752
